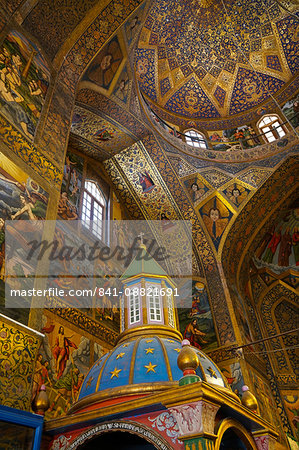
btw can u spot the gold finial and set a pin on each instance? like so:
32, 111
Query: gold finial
141, 245
248, 399
187, 360
41, 402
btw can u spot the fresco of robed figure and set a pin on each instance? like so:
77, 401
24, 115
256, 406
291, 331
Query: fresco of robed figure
24, 81
196, 321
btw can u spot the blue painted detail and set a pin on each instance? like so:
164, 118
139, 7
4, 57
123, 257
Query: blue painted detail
155, 362
288, 33
149, 352
90, 382
171, 346
209, 368
145, 69
191, 101
26, 419
119, 363
252, 88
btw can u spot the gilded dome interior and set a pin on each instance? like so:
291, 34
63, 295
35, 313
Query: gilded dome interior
203, 60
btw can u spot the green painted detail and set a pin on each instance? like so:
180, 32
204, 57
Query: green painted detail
143, 263
188, 379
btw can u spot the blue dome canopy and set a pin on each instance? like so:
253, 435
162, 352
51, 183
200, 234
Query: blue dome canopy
144, 360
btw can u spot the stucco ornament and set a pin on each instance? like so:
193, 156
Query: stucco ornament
195, 418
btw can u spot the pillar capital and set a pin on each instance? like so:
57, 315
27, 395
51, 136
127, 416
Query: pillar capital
196, 418
265, 440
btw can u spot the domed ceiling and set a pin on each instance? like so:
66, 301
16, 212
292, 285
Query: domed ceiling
204, 59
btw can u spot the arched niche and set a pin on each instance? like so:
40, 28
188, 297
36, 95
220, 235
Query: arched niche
267, 206
233, 435
278, 310
123, 435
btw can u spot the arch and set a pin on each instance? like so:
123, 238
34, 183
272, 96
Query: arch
238, 429
195, 139
257, 215
123, 426
272, 127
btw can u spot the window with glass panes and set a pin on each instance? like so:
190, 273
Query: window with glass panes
271, 127
195, 139
170, 310
134, 306
154, 303
93, 208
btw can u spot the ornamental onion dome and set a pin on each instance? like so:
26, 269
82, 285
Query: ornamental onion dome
144, 359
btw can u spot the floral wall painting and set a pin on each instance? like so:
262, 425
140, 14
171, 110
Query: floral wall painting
216, 216
104, 133
196, 322
24, 81
107, 65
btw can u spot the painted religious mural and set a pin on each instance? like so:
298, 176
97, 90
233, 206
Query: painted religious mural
196, 321
107, 306
24, 81
291, 110
236, 193
21, 198
234, 139
123, 86
105, 134
291, 404
68, 206
234, 377
265, 399
196, 188
216, 216
64, 359
279, 248
132, 26
105, 67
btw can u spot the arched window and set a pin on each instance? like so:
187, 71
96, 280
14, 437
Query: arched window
271, 127
134, 306
195, 139
93, 209
154, 304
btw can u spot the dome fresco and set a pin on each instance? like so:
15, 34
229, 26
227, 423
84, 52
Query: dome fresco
145, 360
213, 59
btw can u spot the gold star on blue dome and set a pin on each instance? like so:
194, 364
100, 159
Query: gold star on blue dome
150, 367
149, 350
212, 372
115, 373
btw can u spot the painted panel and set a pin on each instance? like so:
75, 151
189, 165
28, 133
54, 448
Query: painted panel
68, 205
18, 351
62, 363
103, 68
24, 82
196, 323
